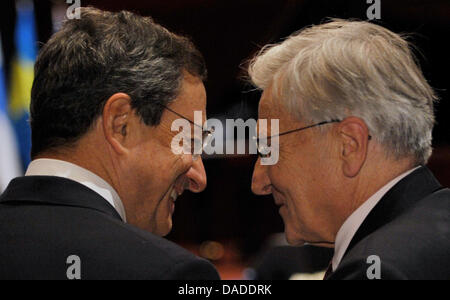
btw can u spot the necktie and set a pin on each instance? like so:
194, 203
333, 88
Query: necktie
329, 271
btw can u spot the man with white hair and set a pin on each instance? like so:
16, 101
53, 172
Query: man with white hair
356, 119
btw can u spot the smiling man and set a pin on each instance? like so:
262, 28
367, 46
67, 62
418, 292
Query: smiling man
356, 117
103, 182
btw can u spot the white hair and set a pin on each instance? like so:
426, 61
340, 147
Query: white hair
353, 68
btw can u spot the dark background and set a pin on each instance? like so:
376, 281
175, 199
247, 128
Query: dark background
229, 33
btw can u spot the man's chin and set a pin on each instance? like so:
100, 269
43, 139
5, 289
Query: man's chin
167, 231
295, 242
293, 239
164, 229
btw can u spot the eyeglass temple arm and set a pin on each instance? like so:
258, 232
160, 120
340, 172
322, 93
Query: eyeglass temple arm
307, 127
181, 116
304, 128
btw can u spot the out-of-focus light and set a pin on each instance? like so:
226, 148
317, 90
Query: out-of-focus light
212, 250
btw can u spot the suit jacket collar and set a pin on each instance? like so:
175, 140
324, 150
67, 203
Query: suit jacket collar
55, 191
396, 201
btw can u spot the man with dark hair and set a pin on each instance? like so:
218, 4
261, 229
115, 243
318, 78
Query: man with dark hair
102, 186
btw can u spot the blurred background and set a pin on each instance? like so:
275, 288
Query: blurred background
236, 230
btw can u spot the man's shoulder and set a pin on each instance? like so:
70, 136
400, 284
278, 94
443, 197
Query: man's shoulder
142, 255
426, 223
414, 245
158, 248
107, 247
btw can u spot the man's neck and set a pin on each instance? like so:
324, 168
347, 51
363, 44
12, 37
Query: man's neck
89, 162
374, 178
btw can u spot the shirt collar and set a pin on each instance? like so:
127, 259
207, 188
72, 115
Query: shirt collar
59, 168
351, 225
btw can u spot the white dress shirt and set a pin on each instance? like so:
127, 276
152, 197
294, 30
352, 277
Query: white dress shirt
352, 224
59, 168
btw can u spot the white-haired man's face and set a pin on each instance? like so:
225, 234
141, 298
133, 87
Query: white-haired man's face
305, 181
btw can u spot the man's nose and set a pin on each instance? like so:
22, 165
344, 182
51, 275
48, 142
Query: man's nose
260, 182
197, 177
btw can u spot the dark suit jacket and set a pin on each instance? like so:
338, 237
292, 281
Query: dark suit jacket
44, 220
409, 230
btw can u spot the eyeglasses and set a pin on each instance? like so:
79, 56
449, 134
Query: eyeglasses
206, 136
264, 150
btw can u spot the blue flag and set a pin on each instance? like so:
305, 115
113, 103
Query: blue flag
22, 76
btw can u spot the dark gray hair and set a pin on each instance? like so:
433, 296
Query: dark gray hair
96, 56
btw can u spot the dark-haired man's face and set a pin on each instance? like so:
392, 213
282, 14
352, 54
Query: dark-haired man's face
152, 176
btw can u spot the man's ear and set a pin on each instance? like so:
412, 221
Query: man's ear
117, 114
354, 136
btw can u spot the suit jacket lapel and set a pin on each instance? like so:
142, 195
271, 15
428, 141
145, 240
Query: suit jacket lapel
397, 200
55, 191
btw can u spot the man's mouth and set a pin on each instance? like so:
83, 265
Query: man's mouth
174, 195
178, 188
